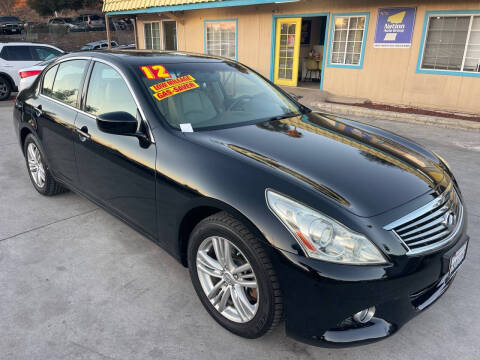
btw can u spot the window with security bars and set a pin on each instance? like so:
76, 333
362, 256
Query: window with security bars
347, 40
152, 36
452, 42
221, 38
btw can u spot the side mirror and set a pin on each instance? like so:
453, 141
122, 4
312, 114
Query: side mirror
118, 123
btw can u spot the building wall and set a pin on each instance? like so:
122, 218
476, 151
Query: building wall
387, 76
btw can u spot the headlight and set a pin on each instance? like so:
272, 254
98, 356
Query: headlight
322, 237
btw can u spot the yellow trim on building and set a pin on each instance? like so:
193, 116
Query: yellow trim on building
123, 5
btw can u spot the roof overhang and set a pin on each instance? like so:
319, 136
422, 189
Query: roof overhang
126, 7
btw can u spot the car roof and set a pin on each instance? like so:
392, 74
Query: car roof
24, 43
136, 57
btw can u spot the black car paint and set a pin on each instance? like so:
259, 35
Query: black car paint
163, 188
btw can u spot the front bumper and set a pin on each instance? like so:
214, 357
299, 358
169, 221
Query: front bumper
320, 298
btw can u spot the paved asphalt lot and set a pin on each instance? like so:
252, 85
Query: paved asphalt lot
76, 283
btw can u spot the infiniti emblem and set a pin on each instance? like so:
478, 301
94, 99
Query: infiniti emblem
449, 220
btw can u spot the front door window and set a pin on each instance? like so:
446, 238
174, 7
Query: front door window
108, 92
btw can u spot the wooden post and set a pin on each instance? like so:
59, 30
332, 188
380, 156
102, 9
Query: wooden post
135, 32
107, 24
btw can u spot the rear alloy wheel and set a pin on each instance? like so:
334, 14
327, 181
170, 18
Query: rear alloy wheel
5, 88
40, 175
35, 165
233, 276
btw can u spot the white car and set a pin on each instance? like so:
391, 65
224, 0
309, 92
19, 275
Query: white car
29, 74
99, 45
15, 56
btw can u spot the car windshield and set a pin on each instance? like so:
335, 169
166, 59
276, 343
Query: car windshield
68, 20
211, 95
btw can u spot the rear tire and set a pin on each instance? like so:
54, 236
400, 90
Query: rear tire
247, 302
5, 88
38, 170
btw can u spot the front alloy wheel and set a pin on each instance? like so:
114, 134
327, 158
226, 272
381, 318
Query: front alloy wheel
233, 276
227, 278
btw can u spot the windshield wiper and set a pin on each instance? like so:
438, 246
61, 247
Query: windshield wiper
284, 116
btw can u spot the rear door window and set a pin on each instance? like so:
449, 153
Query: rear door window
48, 79
43, 53
68, 81
107, 92
17, 53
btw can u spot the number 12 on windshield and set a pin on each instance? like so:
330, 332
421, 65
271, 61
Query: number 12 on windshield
155, 72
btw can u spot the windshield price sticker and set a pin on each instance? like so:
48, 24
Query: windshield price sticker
176, 86
174, 90
155, 72
169, 83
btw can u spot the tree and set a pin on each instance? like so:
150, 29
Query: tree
6, 7
48, 7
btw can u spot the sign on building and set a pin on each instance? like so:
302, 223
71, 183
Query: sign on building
395, 28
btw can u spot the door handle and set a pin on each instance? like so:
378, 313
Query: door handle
38, 111
83, 133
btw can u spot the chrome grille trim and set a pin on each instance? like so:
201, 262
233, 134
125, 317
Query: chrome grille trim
428, 228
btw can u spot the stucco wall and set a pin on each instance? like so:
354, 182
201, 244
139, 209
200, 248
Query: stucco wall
387, 76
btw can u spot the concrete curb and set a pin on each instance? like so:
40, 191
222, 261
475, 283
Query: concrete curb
341, 109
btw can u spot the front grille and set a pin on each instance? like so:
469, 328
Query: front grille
432, 226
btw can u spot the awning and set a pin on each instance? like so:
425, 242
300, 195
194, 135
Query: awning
119, 7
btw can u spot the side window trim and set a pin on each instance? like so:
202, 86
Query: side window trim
86, 86
82, 83
141, 118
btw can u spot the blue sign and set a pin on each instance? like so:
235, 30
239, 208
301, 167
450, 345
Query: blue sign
395, 28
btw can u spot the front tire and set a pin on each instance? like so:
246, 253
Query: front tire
38, 170
233, 276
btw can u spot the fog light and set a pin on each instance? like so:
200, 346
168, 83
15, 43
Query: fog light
365, 315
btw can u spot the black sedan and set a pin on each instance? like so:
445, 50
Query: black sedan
344, 230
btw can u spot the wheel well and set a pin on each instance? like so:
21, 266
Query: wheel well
189, 221
9, 79
23, 134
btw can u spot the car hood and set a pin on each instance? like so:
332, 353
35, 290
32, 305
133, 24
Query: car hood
365, 171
